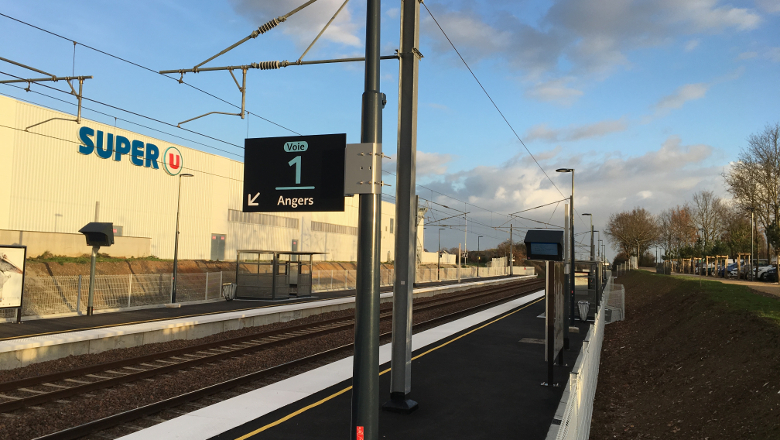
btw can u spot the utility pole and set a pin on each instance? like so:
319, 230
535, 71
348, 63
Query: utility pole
405, 213
365, 369
567, 321
511, 252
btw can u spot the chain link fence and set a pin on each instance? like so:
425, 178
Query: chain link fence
62, 295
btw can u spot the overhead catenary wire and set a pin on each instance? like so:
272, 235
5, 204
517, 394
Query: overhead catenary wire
137, 114
229, 103
120, 119
148, 69
490, 98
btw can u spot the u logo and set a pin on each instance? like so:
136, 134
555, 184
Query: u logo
172, 161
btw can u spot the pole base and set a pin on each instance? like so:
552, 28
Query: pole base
398, 403
89, 311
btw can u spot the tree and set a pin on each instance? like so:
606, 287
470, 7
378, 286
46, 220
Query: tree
754, 180
707, 213
677, 231
633, 229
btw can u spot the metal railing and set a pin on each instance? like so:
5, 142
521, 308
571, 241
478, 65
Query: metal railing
67, 295
583, 378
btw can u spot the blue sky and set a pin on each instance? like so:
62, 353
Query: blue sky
648, 100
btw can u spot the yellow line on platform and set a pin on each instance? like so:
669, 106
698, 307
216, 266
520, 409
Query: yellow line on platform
340, 392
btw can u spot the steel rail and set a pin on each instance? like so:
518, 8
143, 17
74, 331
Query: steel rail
257, 342
97, 368
127, 416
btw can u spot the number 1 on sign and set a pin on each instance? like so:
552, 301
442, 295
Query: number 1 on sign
297, 162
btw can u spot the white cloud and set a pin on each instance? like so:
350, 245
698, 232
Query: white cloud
706, 15
555, 91
685, 93
575, 132
437, 106
577, 38
771, 6
691, 45
747, 55
655, 180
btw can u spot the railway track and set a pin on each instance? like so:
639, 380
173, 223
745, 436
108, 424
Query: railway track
54, 389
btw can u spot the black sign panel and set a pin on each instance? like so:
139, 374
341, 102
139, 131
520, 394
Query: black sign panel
294, 173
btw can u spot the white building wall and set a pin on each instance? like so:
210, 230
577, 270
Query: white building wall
46, 185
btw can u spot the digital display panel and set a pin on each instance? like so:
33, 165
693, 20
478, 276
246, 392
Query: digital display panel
544, 249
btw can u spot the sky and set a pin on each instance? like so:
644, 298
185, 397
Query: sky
649, 101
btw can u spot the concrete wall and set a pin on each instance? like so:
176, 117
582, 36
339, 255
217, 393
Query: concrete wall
48, 185
73, 245
431, 258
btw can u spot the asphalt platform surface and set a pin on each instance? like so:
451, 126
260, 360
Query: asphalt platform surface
486, 384
38, 327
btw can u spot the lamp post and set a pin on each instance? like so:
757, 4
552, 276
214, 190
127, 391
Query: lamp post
591, 235
438, 262
478, 257
176, 242
571, 244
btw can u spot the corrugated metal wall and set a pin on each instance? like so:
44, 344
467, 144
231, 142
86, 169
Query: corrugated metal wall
53, 188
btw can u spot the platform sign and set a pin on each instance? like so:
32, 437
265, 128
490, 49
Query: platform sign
12, 262
294, 173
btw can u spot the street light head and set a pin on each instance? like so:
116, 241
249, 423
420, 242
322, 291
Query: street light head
586, 214
565, 170
186, 175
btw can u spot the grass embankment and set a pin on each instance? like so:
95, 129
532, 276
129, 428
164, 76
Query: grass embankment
46, 257
694, 360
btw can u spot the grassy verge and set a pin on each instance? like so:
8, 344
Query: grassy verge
85, 259
738, 297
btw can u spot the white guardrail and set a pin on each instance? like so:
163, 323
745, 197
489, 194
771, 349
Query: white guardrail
67, 295
575, 424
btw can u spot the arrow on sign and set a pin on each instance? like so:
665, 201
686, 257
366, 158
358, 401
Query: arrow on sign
251, 200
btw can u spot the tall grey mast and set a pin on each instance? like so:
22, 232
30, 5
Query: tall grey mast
365, 376
405, 212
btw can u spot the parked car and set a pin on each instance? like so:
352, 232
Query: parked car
762, 271
770, 274
731, 267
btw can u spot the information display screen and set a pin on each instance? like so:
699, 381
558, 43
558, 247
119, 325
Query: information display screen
544, 249
294, 173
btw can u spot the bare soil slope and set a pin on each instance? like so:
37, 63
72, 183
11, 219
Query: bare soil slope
689, 365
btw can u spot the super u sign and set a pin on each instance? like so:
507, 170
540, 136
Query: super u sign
302, 173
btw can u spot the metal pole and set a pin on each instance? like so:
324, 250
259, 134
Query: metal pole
78, 298
438, 260
176, 246
566, 312
511, 253
592, 248
460, 262
478, 257
571, 249
365, 376
91, 298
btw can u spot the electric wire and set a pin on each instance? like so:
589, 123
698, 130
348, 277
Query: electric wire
148, 69
263, 118
116, 118
132, 113
490, 98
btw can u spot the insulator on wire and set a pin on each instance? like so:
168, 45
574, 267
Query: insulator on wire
266, 65
268, 26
